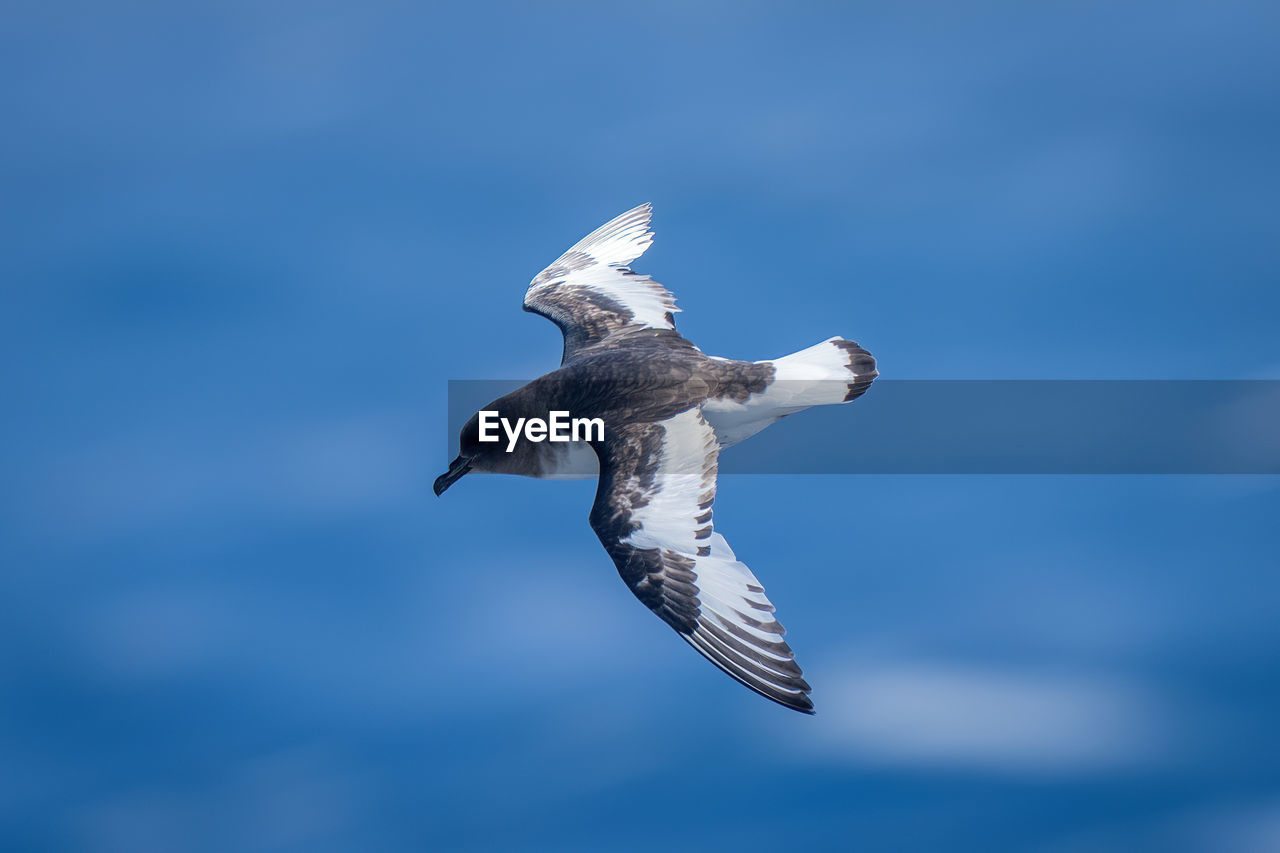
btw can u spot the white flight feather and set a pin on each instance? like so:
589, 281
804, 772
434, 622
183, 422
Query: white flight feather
599, 263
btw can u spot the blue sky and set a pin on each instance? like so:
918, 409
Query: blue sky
246, 246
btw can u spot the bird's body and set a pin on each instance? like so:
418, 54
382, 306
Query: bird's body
668, 409
643, 377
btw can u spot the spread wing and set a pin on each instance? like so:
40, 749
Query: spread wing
653, 514
590, 293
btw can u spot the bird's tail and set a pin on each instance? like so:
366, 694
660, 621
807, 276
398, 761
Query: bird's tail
834, 371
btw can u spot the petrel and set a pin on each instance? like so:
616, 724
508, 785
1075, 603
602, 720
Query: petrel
668, 410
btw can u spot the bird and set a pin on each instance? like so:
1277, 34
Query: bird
668, 410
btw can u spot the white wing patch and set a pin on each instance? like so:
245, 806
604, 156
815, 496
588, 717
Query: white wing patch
620, 240
584, 286
710, 597
683, 488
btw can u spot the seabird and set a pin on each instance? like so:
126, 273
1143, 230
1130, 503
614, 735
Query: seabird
668, 410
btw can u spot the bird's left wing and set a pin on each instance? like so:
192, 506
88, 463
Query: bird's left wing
653, 514
591, 293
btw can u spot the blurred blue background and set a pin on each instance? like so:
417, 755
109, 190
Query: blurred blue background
245, 245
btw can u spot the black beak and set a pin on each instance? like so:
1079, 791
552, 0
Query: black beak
457, 468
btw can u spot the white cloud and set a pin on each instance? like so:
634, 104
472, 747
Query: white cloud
988, 719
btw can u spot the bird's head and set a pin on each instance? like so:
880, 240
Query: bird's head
470, 450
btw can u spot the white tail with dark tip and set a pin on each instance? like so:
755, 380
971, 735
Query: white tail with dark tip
834, 371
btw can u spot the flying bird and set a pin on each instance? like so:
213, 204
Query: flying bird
668, 410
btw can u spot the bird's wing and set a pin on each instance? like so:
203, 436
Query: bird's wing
653, 514
590, 292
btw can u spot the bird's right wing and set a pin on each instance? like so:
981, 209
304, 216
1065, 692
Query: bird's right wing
653, 514
591, 293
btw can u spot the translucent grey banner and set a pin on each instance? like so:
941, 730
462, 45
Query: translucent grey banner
1001, 427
